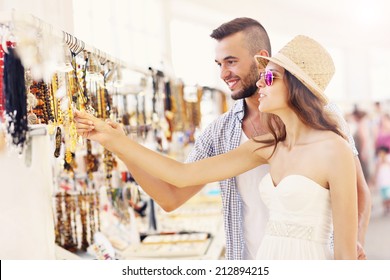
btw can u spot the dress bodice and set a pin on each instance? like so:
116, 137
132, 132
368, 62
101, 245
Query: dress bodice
299, 210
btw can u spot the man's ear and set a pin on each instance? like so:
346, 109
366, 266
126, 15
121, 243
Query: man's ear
263, 53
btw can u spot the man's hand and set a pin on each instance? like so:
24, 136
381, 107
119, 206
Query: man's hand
360, 252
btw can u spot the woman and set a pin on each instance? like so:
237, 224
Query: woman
311, 188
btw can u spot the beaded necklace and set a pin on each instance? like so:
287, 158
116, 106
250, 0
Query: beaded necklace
15, 98
2, 100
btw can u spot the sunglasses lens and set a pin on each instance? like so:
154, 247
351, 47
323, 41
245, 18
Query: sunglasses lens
268, 78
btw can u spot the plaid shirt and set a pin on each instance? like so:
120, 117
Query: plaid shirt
222, 136
332, 108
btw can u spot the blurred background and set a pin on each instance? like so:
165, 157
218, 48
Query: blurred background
174, 34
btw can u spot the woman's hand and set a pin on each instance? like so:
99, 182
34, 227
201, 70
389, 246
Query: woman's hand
96, 129
116, 126
84, 123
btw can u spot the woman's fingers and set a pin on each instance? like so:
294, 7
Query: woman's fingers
83, 129
84, 122
84, 117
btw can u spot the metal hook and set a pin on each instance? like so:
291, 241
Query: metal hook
74, 44
81, 46
69, 42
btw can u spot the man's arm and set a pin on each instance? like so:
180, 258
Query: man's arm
343, 195
364, 197
166, 195
364, 203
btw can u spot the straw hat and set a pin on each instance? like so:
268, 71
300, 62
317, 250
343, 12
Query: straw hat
307, 60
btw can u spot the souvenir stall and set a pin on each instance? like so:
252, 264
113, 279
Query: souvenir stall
62, 197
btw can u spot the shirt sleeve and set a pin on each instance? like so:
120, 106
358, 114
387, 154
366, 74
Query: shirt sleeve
332, 108
203, 146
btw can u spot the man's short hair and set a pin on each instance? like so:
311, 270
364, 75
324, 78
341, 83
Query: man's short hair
256, 36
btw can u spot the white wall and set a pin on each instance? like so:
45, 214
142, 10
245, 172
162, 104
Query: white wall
58, 13
26, 216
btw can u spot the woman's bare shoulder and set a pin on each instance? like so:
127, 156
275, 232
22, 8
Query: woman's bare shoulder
334, 146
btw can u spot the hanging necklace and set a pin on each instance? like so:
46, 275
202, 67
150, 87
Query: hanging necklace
254, 128
15, 97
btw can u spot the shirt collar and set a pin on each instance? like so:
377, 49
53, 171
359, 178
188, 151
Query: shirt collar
239, 109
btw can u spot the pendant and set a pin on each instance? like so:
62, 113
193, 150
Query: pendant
58, 142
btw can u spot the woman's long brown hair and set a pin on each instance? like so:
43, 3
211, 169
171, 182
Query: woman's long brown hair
309, 109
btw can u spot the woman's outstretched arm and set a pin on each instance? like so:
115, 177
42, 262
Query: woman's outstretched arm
176, 173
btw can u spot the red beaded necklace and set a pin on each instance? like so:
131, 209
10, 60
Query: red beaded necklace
2, 100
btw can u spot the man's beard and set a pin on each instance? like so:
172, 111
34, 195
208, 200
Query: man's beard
249, 85
245, 92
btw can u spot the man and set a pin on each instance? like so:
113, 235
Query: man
244, 213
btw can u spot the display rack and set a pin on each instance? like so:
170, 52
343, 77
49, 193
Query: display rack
14, 19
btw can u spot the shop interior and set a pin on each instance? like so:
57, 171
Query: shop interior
148, 65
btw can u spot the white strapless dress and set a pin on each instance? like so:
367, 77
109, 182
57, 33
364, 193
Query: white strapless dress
300, 221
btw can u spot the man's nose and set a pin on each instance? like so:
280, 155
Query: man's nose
224, 72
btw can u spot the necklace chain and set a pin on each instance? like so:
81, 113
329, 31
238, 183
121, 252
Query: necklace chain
254, 128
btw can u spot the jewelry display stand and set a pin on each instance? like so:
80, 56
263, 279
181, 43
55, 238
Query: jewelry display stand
27, 183
28, 180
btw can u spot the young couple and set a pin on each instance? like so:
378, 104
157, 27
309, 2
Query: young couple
289, 180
